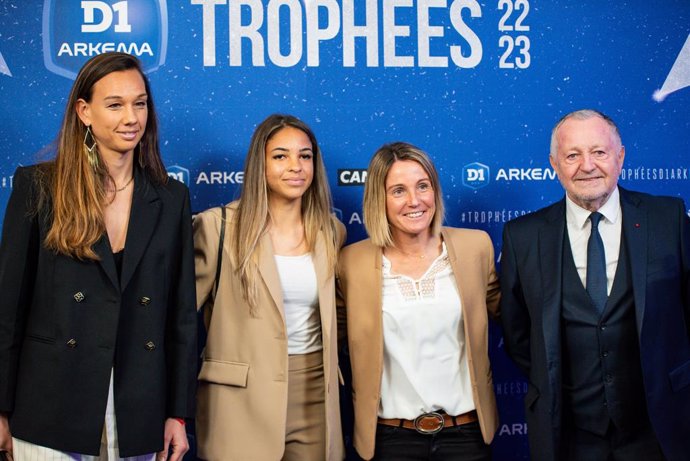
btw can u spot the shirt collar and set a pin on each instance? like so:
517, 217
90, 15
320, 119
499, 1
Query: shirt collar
577, 215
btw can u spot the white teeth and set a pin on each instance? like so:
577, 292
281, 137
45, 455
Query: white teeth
416, 214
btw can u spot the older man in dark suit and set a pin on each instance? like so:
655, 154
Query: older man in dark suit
595, 308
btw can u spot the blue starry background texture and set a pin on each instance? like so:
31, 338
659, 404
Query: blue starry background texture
610, 56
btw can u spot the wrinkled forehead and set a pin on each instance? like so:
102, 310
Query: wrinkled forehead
583, 133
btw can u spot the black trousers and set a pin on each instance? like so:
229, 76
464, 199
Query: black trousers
452, 443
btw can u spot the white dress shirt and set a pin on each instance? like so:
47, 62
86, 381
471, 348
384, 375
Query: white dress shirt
579, 229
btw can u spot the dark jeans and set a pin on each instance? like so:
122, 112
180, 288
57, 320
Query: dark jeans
453, 443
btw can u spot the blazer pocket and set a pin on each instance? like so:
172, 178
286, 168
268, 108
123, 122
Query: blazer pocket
40, 338
227, 373
680, 377
663, 267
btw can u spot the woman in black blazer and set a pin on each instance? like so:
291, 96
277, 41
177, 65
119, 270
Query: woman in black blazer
97, 313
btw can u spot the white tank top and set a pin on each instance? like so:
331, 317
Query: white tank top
300, 303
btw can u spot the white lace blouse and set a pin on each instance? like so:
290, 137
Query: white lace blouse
425, 364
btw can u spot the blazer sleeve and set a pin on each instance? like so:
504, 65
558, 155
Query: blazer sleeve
341, 316
685, 254
206, 240
340, 308
493, 288
340, 232
181, 327
514, 314
18, 261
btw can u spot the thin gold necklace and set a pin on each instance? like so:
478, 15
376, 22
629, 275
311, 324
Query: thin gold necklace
125, 186
412, 255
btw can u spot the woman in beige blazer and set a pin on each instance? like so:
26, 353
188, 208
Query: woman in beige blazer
416, 298
268, 386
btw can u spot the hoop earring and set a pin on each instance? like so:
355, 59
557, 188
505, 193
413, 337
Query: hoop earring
90, 151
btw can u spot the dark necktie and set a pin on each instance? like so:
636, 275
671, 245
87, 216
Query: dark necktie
596, 264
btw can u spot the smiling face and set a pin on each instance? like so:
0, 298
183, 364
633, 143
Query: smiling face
410, 199
117, 113
588, 161
289, 164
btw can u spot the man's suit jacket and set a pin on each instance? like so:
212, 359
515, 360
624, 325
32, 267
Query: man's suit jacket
656, 231
360, 277
243, 382
65, 323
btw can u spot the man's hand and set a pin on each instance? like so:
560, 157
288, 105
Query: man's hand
175, 442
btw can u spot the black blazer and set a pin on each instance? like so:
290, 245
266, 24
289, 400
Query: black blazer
65, 323
657, 233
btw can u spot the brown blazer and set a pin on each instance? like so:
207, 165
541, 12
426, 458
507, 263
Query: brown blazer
359, 310
242, 393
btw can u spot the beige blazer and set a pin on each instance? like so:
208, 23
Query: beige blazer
359, 310
242, 393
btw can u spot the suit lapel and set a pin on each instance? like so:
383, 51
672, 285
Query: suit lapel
376, 276
550, 245
635, 237
325, 293
456, 263
106, 261
551, 261
143, 217
269, 272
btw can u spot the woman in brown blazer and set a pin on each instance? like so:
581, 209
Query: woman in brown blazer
416, 298
268, 386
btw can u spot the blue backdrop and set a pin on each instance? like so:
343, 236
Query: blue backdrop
477, 84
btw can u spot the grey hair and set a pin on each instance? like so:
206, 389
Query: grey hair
583, 114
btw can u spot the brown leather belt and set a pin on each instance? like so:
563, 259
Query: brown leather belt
431, 423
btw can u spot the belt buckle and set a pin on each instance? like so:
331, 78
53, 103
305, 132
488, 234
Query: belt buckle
436, 418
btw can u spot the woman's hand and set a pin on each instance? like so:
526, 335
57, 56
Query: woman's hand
175, 443
5, 435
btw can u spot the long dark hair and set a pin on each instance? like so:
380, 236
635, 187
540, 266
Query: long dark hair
75, 189
253, 214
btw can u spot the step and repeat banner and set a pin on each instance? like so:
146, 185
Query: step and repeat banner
477, 84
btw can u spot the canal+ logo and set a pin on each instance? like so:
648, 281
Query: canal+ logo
475, 175
76, 30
